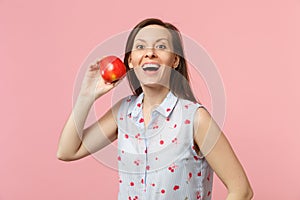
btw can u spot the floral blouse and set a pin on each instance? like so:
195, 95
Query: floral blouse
159, 161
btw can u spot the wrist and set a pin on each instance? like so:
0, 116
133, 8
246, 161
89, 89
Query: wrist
85, 100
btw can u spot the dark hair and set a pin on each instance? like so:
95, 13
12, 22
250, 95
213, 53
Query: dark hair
181, 88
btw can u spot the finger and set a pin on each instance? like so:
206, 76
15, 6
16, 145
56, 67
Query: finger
117, 82
98, 61
94, 67
101, 80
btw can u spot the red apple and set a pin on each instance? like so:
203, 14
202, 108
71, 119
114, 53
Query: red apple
112, 68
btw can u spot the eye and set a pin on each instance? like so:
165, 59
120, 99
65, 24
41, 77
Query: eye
139, 46
161, 46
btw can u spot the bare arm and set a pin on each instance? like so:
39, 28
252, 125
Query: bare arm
221, 157
76, 143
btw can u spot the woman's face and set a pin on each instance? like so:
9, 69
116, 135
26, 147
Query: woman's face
152, 56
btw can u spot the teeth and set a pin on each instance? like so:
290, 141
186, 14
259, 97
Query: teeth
150, 67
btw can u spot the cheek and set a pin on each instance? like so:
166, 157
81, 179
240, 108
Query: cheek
136, 58
168, 59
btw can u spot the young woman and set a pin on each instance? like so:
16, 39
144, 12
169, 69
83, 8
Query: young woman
169, 146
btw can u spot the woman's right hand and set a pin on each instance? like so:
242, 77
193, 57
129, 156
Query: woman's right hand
93, 86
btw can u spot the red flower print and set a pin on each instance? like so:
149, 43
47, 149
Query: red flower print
161, 142
175, 140
119, 158
120, 181
141, 120
190, 176
208, 177
153, 184
187, 121
168, 109
131, 183
138, 105
168, 119
137, 136
162, 191
198, 195
199, 174
147, 167
134, 198
175, 125
172, 167
126, 136
186, 106
155, 127
137, 162
142, 181
176, 187
208, 193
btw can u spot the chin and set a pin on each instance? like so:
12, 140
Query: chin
152, 84
155, 83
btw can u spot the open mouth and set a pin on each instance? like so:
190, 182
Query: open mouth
150, 67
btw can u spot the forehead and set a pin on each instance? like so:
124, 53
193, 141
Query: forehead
153, 32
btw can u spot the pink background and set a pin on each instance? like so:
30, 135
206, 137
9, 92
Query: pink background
255, 46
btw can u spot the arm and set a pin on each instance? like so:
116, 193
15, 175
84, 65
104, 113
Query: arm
76, 143
221, 157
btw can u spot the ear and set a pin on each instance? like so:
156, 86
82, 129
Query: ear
176, 61
129, 62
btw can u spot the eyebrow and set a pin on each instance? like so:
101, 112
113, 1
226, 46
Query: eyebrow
156, 40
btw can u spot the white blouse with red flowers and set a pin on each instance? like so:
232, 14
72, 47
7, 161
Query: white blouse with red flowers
160, 161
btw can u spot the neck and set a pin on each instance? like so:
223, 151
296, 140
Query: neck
154, 95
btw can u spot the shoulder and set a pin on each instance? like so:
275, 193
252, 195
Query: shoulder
127, 99
204, 125
194, 107
123, 101
202, 118
202, 114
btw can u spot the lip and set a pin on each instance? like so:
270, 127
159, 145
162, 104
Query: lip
151, 63
151, 73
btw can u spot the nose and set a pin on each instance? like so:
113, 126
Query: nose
150, 53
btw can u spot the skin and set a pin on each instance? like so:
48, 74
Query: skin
153, 44
222, 158
76, 142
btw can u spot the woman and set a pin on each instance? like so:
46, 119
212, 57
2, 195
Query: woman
169, 145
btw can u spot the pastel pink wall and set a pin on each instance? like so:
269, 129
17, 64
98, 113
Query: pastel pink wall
255, 46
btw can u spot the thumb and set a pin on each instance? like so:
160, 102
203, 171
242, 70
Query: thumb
118, 82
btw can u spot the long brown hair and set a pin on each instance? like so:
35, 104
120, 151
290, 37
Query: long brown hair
180, 87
